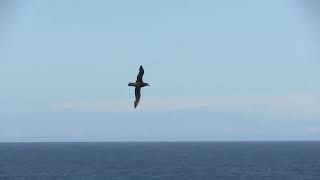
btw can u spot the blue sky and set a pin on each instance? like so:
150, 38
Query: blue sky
237, 70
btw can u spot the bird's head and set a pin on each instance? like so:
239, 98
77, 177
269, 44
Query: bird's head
146, 84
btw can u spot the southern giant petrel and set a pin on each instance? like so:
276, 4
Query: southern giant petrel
138, 85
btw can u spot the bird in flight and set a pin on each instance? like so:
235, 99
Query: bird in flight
138, 85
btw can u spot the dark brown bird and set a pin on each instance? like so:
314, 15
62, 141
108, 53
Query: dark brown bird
138, 85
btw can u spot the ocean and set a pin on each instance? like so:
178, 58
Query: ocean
161, 161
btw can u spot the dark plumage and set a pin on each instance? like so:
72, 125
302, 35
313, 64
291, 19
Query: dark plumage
137, 93
138, 85
140, 75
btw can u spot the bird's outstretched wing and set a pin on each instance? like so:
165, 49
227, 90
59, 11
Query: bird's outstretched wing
138, 95
140, 75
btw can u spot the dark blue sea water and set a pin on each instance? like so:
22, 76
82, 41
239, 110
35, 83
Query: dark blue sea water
161, 161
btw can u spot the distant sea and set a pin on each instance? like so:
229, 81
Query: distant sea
161, 161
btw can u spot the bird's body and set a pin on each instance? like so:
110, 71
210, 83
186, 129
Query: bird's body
138, 85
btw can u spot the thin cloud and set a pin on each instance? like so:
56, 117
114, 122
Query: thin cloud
312, 129
302, 104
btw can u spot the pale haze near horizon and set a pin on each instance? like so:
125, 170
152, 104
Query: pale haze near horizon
218, 70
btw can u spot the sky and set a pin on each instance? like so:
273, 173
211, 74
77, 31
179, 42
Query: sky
219, 70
